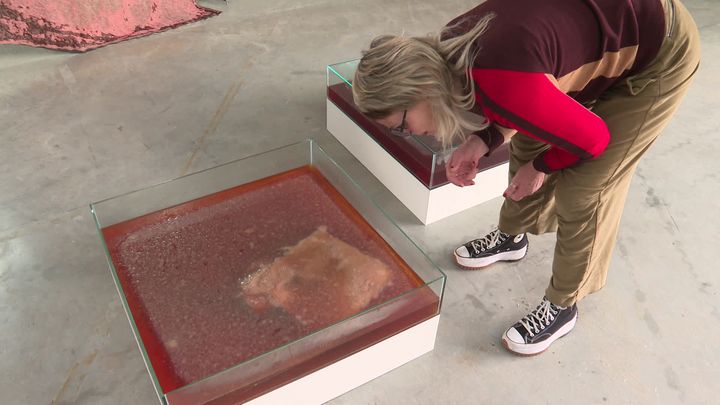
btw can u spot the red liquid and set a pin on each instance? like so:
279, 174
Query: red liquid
415, 158
181, 271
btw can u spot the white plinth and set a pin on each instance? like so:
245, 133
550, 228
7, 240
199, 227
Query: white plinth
427, 205
354, 371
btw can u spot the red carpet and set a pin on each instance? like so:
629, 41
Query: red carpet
81, 25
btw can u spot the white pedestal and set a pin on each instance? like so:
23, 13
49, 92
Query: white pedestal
427, 205
361, 367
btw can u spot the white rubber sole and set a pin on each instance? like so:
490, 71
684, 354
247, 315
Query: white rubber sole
473, 264
532, 349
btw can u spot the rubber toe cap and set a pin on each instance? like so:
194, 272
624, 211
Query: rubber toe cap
462, 252
514, 336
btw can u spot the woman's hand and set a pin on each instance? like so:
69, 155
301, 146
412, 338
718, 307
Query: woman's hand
462, 166
526, 181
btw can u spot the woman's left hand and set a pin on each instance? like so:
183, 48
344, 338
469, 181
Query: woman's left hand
526, 181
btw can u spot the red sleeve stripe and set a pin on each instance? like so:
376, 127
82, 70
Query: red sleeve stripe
530, 129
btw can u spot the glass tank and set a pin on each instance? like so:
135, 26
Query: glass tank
242, 278
423, 156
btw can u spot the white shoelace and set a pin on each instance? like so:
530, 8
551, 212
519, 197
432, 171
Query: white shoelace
486, 242
540, 318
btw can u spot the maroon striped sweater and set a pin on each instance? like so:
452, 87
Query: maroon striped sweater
539, 60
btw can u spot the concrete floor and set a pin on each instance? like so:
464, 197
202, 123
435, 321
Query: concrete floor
77, 128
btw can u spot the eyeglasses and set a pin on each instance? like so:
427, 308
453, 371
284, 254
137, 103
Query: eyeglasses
402, 130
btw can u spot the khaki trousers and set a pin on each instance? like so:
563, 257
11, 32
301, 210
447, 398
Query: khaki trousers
584, 203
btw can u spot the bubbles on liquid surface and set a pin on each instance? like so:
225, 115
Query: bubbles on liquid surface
189, 268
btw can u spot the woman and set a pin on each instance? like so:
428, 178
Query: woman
580, 89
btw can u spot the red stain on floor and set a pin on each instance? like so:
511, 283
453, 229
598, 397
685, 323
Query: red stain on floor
79, 25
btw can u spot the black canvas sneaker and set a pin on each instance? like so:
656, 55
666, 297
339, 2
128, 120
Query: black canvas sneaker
540, 328
493, 247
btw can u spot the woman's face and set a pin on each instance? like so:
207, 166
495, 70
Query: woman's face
418, 119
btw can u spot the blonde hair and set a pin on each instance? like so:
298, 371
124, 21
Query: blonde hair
396, 72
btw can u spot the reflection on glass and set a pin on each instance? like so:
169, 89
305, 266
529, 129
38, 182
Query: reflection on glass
239, 291
423, 156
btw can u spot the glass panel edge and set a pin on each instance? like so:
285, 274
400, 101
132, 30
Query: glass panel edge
128, 312
235, 161
319, 331
339, 76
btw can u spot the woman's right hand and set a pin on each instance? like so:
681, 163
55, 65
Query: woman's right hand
461, 168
